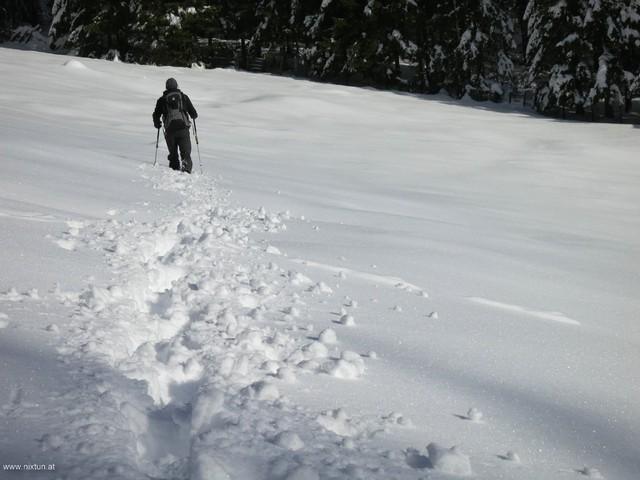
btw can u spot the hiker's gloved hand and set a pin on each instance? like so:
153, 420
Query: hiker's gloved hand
195, 115
157, 124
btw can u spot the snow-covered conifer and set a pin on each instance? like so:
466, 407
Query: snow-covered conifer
557, 54
482, 65
612, 28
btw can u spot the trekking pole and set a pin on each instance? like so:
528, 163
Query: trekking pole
155, 161
195, 132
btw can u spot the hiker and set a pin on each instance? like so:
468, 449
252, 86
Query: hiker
175, 108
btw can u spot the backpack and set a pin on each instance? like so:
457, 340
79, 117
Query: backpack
174, 117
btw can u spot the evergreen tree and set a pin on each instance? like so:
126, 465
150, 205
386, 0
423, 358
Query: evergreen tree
482, 65
279, 26
612, 27
557, 54
436, 29
328, 37
109, 28
65, 15
235, 20
94, 29
359, 40
15, 13
385, 41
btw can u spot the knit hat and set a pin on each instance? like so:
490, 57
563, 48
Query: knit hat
172, 84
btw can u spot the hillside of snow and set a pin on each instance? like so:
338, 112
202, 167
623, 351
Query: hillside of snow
361, 285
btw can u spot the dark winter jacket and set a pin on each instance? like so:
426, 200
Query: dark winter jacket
161, 108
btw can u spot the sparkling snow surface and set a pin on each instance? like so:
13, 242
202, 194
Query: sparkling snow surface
357, 276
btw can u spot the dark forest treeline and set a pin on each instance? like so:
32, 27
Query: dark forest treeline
578, 56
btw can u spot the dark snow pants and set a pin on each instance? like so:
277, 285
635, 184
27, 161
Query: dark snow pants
179, 139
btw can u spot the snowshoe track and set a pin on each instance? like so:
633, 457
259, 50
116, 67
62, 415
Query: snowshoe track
189, 344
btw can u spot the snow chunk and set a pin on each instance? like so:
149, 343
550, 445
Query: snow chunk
67, 244
321, 287
51, 442
328, 336
342, 369
350, 302
11, 295
288, 440
338, 422
297, 279
270, 366
511, 456
206, 467
303, 472
591, 472
263, 391
474, 415
208, 404
348, 367
347, 320
248, 301
292, 311
286, 374
396, 418
433, 315
33, 294
315, 350
52, 327
449, 460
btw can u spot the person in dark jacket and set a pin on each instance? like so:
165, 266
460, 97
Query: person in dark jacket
175, 108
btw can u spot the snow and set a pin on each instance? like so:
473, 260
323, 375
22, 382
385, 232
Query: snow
449, 460
289, 440
328, 336
591, 472
511, 456
270, 318
553, 316
347, 320
475, 415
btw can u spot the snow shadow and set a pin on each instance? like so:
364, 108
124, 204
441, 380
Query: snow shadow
578, 427
632, 118
416, 460
89, 407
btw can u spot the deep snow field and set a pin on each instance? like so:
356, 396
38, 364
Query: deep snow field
357, 275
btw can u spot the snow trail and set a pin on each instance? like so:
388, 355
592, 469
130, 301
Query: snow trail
207, 330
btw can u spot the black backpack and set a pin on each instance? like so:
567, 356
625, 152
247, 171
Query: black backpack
174, 117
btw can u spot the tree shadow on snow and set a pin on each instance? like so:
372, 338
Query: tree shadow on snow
566, 423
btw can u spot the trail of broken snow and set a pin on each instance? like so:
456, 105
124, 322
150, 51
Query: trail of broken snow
202, 330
